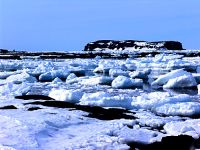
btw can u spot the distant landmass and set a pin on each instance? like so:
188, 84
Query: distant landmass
135, 44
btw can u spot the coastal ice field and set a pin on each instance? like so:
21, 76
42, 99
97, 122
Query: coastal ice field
98, 103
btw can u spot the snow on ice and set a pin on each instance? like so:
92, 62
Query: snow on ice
132, 85
123, 82
163, 79
185, 81
188, 127
20, 78
66, 95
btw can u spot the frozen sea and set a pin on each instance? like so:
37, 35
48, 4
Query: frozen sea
100, 103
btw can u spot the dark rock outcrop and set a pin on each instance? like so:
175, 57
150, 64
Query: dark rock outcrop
121, 45
4, 51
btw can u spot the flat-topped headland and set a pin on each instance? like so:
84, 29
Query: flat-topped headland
107, 49
134, 44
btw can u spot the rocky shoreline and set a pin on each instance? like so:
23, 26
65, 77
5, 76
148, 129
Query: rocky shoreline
19, 55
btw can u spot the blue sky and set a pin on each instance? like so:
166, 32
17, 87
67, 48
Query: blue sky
50, 25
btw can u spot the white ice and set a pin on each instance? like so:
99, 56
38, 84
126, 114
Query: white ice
49, 76
163, 79
184, 81
188, 127
106, 100
53, 128
179, 109
117, 72
14, 89
123, 82
20, 78
66, 95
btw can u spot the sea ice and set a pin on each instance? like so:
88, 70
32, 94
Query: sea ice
163, 79
20, 78
180, 63
117, 72
104, 99
66, 95
188, 127
10, 65
49, 76
140, 74
185, 81
160, 58
14, 89
50, 127
6, 147
153, 100
71, 76
198, 69
102, 80
123, 82
105, 66
130, 65
14, 133
102, 68
179, 109
43, 67
149, 119
145, 136
197, 77
77, 80
6, 74
57, 80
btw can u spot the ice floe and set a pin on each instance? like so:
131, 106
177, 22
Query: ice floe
10, 65
138, 135
49, 76
43, 67
104, 67
140, 74
184, 81
5, 74
66, 95
102, 80
197, 77
117, 72
155, 99
14, 89
179, 109
57, 80
106, 100
71, 76
151, 120
163, 79
123, 82
20, 78
198, 69
188, 127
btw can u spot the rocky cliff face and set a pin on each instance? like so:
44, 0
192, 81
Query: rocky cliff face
121, 45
